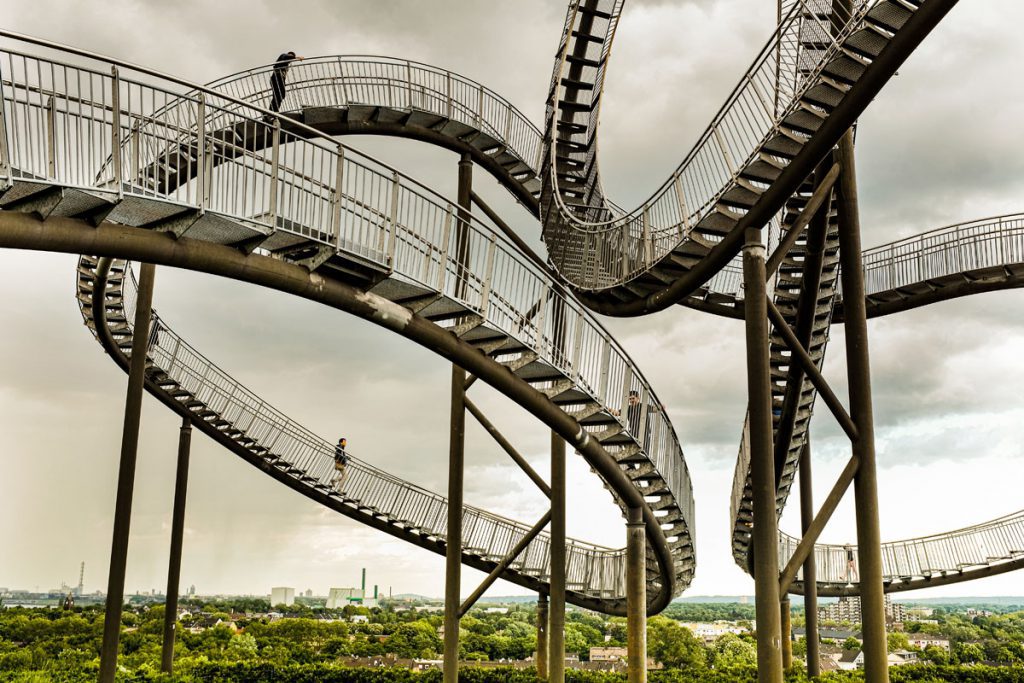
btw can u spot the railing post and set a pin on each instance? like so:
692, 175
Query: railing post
51, 138
134, 153
485, 293
448, 93
177, 531
480, 108
442, 268
126, 476
339, 178
408, 81
341, 79
201, 152
542, 316
275, 166
648, 246
115, 135
393, 220
684, 216
6, 177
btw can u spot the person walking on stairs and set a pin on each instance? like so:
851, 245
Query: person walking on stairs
340, 464
277, 79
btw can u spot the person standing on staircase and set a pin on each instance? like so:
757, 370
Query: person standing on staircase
340, 464
277, 79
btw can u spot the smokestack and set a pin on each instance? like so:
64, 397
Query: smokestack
364, 581
374, 591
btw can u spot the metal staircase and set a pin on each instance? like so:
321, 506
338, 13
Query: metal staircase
305, 200
752, 158
183, 378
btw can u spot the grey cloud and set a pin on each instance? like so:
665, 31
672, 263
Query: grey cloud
928, 155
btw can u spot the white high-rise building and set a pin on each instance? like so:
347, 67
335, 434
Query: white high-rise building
282, 596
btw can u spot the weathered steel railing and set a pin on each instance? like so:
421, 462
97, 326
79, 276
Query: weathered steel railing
343, 81
978, 546
584, 229
591, 568
955, 249
249, 180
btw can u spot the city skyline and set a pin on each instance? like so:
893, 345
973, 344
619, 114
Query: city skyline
944, 376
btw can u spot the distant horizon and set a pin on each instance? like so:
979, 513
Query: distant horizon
523, 598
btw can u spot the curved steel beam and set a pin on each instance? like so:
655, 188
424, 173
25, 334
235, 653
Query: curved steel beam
68, 235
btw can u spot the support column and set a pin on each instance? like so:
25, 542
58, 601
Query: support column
762, 463
456, 449
453, 549
542, 636
865, 484
636, 596
177, 531
126, 476
810, 568
787, 633
556, 617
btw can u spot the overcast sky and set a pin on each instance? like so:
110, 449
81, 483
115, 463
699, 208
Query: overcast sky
939, 145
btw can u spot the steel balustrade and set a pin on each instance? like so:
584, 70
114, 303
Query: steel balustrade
221, 187
914, 563
577, 234
751, 158
592, 570
302, 184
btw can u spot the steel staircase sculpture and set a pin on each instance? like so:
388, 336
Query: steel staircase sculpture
254, 186
182, 378
755, 154
241, 181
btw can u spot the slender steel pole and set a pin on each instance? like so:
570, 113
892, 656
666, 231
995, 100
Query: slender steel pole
810, 568
762, 463
126, 476
556, 617
456, 453
177, 531
542, 636
787, 633
453, 549
865, 485
636, 596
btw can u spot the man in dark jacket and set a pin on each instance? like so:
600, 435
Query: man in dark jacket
340, 463
278, 77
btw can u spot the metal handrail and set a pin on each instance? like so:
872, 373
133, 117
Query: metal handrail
259, 192
747, 120
981, 545
399, 83
950, 250
314, 455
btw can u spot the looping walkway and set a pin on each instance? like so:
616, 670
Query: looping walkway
204, 166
